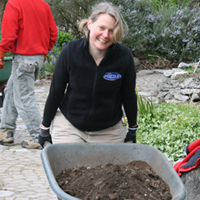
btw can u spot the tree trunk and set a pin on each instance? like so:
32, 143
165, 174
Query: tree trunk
2, 5
191, 180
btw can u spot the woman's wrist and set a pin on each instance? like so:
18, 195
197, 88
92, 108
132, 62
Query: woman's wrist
44, 127
135, 127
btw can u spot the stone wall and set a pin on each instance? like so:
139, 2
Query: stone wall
177, 85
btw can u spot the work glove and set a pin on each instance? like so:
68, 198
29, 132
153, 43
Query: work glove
2, 55
44, 137
130, 136
193, 161
192, 146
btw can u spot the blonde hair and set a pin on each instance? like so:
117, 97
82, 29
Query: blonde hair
121, 28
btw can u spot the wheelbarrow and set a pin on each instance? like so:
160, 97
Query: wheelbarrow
58, 157
4, 76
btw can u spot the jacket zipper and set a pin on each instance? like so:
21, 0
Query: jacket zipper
93, 99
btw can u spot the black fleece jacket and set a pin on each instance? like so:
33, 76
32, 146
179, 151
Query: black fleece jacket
91, 96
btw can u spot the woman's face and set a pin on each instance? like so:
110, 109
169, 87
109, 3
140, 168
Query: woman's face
101, 32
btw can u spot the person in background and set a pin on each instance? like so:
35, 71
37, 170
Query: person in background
93, 78
29, 31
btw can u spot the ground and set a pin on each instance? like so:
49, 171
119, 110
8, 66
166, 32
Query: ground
136, 180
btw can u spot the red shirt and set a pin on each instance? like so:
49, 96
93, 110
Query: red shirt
28, 28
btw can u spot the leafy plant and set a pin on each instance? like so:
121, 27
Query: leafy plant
145, 105
191, 70
49, 64
64, 38
68, 13
168, 28
171, 128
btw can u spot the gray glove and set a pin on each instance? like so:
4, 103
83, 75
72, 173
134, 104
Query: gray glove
44, 137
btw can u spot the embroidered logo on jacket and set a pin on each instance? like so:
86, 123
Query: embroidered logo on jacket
112, 76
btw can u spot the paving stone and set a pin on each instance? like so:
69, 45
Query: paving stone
2, 147
5, 193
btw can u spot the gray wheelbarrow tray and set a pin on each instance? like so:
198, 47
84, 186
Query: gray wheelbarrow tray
58, 157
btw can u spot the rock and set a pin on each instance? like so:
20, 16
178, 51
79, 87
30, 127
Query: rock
145, 72
164, 87
177, 85
4, 193
2, 147
168, 97
177, 75
180, 97
189, 91
169, 73
136, 61
182, 65
190, 83
191, 182
195, 97
162, 95
38, 82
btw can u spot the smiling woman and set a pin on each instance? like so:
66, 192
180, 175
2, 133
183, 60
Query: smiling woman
101, 35
100, 77
103, 29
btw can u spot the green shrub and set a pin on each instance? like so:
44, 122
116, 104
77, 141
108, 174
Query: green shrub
167, 28
49, 64
167, 127
171, 129
64, 38
172, 33
145, 105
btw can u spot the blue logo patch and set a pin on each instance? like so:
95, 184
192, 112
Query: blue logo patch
112, 76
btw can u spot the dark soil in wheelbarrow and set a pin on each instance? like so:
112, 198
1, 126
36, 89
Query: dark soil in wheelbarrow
136, 180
